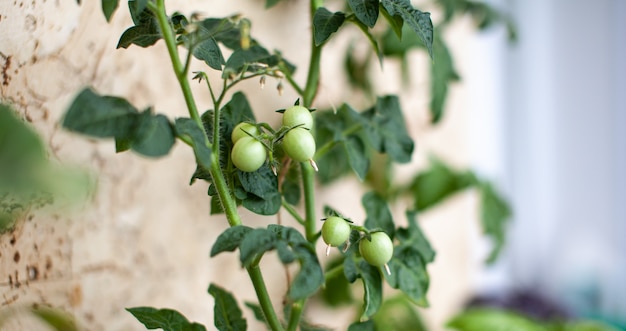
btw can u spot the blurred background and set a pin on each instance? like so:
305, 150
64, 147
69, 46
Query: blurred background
543, 118
548, 120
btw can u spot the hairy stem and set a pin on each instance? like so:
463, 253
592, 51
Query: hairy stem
308, 183
264, 299
170, 41
223, 190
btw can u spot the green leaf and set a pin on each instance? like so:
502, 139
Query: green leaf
408, 274
408, 264
438, 183
226, 313
257, 241
230, 239
261, 187
310, 277
144, 35
419, 21
54, 318
398, 314
248, 60
326, 23
291, 185
336, 290
395, 22
386, 130
333, 164
223, 30
166, 319
414, 237
209, 52
154, 136
372, 284
491, 319
363, 326
186, 128
365, 10
442, 74
257, 311
495, 212
108, 8
101, 116
271, 3
138, 5
357, 156
371, 39
378, 213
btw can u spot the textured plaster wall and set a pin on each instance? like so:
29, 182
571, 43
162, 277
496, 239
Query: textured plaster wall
143, 236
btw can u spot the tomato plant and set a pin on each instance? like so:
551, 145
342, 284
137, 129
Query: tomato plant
242, 130
309, 148
298, 116
248, 154
299, 144
376, 250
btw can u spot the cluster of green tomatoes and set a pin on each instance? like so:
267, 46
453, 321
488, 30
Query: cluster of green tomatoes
375, 247
250, 152
251, 146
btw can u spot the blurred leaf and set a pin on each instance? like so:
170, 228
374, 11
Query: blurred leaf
28, 179
154, 135
189, 129
337, 290
166, 319
386, 129
418, 21
365, 10
358, 157
491, 319
326, 23
373, 289
108, 8
101, 116
56, 319
226, 313
442, 74
495, 213
437, 183
378, 214
398, 314
364, 326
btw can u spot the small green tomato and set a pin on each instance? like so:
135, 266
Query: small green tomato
248, 154
240, 131
299, 144
335, 231
298, 115
377, 251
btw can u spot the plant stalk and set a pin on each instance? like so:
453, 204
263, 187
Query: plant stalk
308, 183
264, 299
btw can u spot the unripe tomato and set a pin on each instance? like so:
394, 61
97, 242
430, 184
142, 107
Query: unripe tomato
335, 231
378, 251
248, 154
240, 131
299, 144
298, 115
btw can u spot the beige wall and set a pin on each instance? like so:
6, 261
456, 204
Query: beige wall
144, 235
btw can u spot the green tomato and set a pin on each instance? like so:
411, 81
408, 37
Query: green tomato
299, 144
298, 115
335, 231
240, 131
248, 154
378, 251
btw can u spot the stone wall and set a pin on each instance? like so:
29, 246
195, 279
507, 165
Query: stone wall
143, 236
